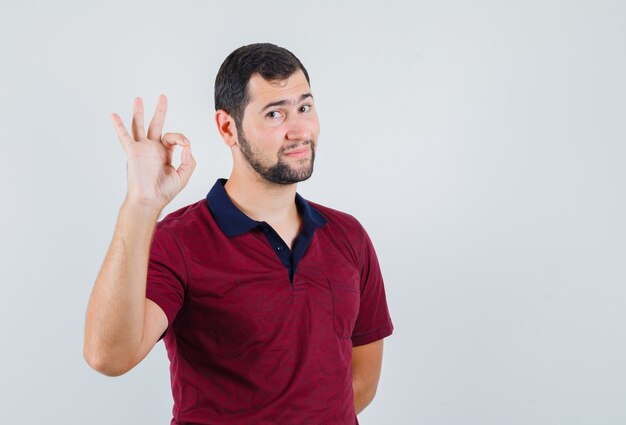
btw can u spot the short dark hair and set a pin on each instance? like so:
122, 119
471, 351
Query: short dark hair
231, 83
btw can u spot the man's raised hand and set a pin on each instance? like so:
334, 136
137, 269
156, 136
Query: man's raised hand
152, 180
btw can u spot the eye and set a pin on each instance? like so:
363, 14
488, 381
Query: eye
305, 108
273, 114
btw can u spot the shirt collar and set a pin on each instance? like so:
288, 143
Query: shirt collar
234, 222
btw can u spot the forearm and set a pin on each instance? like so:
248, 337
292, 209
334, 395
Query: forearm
116, 311
363, 395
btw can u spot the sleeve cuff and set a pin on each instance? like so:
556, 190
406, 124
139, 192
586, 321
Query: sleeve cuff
169, 313
371, 336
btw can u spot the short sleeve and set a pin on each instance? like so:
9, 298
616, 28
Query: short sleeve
373, 321
167, 274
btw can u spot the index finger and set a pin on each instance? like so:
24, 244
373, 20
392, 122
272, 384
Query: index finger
156, 124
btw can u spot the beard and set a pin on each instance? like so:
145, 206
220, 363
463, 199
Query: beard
280, 173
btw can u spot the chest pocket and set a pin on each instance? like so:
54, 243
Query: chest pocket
346, 302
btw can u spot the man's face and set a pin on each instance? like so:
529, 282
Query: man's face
279, 129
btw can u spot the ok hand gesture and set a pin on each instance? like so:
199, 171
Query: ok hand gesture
152, 180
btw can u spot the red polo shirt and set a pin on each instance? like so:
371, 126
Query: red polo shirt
259, 334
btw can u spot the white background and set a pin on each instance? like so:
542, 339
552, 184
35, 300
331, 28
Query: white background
482, 145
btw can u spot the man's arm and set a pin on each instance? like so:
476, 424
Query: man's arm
122, 325
366, 364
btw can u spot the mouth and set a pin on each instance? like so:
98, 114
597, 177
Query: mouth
298, 153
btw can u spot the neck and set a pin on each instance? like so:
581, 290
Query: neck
262, 200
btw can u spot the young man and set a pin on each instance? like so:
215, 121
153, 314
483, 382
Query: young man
272, 308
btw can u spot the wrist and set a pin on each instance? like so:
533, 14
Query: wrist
142, 207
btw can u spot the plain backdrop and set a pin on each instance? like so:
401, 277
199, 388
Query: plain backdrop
482, 145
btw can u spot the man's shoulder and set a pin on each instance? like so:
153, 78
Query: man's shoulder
337, 218
185, 217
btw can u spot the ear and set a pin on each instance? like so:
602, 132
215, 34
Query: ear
226, 126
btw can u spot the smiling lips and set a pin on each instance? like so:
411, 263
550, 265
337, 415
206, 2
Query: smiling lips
298, 153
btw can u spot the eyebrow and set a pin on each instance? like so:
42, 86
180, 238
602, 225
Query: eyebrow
285, 101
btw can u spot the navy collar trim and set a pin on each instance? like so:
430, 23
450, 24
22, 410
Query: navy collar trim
234, 222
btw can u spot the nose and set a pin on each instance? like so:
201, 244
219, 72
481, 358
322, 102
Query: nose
299, 129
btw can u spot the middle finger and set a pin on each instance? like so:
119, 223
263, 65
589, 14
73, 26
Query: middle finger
156, 125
